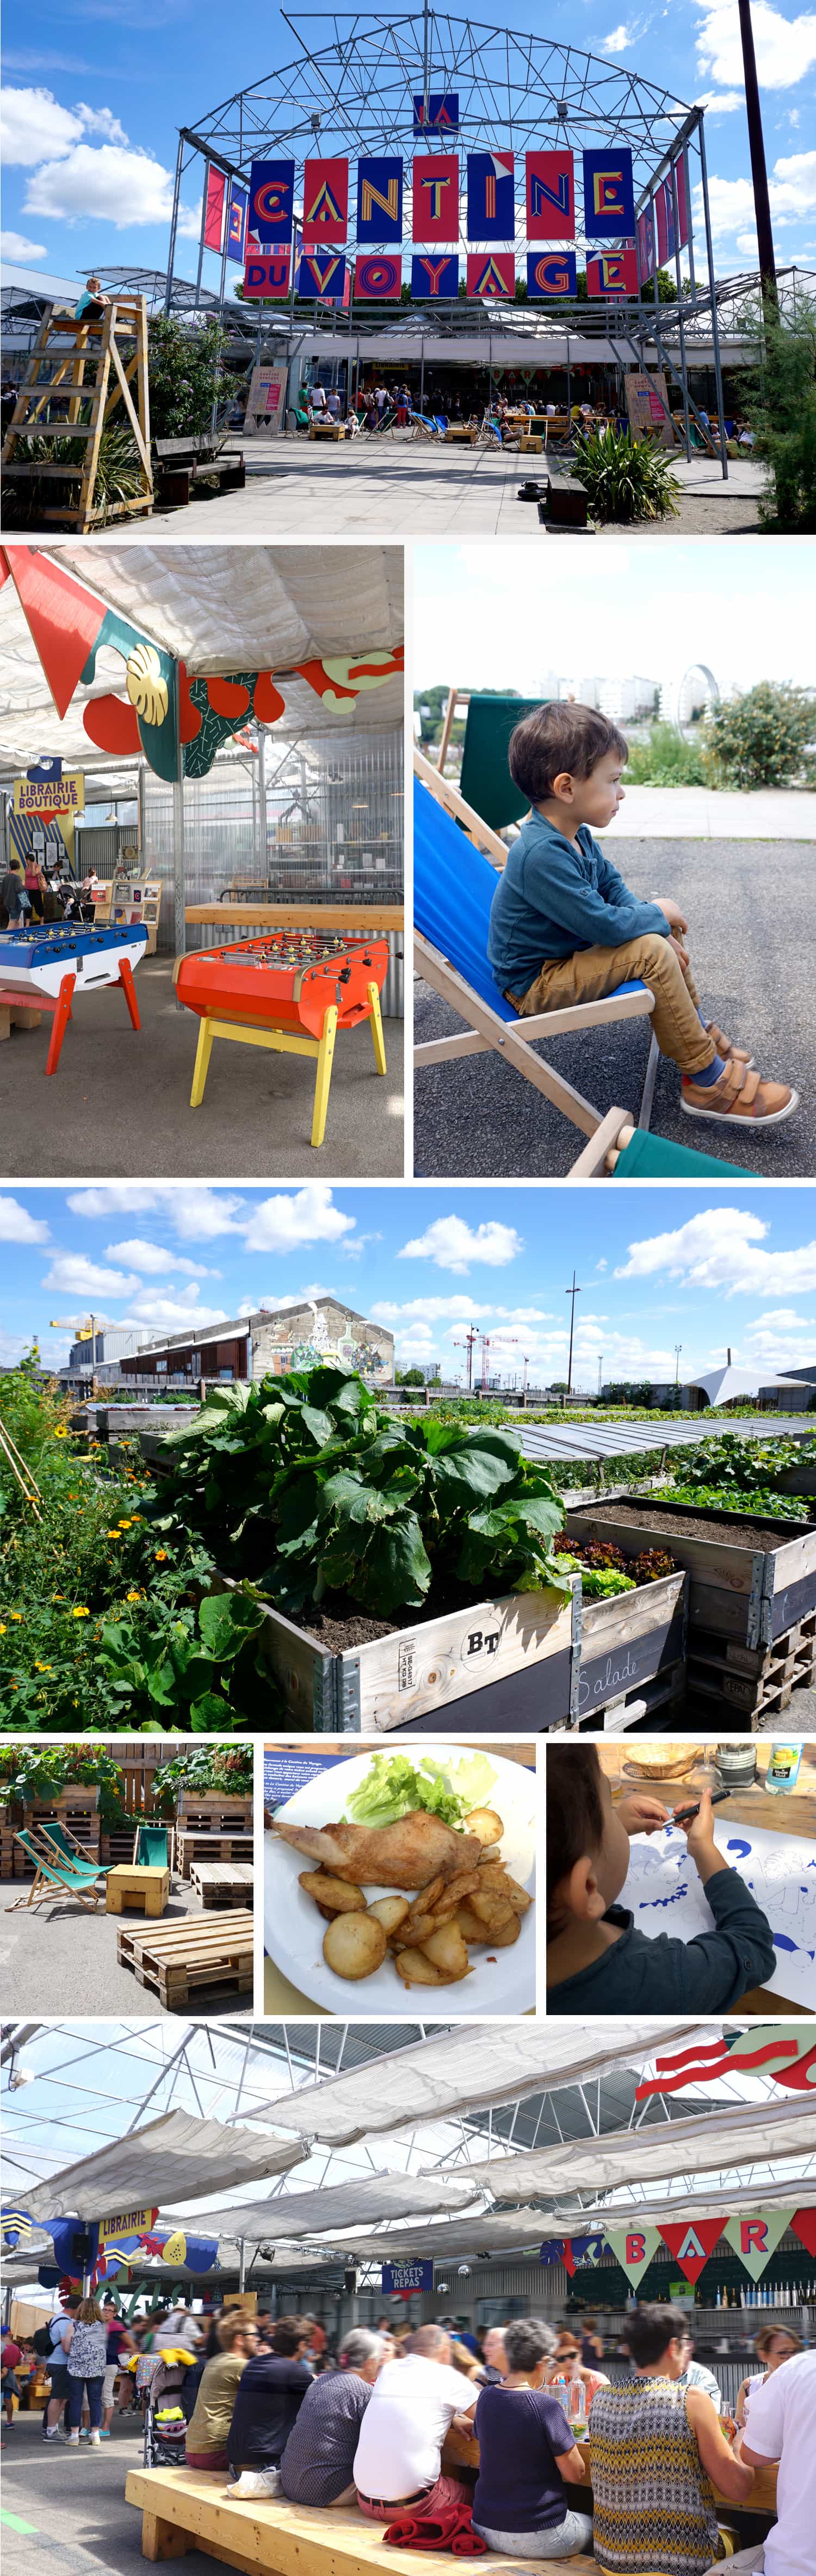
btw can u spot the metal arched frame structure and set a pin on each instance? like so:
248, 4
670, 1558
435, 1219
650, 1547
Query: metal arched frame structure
712, 688
353, 94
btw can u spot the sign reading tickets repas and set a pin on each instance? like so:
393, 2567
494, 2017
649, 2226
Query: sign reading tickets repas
400, 2279
265, 400
647, 405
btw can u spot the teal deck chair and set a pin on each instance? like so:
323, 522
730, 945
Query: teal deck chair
67, 1848
485, 781
53, 1878
150, 1847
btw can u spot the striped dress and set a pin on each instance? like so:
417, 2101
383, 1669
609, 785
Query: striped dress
653, 2503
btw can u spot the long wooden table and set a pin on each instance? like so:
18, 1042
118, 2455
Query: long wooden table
298, 916
461, 2451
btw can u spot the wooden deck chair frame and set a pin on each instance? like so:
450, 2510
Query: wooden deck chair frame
49, 1883
487, 1033
46, 1832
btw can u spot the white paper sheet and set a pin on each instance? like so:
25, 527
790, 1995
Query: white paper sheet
665, 1895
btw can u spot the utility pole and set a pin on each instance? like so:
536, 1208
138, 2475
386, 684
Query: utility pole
759, 175
572, 1293
677, 1350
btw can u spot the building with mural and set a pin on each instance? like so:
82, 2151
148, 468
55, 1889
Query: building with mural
319, 1331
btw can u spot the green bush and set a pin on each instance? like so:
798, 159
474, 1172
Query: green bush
626, 479
118, 476
666, 760
781, 404
185, 377
759, 740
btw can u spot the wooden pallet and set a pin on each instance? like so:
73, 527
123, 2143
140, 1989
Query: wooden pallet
85, 364
211, 1813
222, 1882
175, 1958
753, 1679
190, 1845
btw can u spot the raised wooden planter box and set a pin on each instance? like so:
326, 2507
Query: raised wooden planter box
628, 1640
211, 1812
190, 1846
750, 1594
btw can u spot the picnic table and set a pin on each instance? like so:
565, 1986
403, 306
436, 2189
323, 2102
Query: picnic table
461, 2451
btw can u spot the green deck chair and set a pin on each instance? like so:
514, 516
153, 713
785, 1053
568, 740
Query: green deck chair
485, 782
150, 1847
53, 1878
67, 1848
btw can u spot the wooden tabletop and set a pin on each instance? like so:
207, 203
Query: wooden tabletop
462, 2451
792, 1811
524, 1753
312, 915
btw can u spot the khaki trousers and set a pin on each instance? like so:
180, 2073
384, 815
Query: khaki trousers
592, 972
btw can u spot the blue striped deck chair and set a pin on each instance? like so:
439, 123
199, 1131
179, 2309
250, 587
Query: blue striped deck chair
454, 882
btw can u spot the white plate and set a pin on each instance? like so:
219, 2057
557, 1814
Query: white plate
293, 1928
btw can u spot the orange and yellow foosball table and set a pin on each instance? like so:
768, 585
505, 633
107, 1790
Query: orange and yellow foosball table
291, 990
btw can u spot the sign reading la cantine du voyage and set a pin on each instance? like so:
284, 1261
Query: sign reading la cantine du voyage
399, 2277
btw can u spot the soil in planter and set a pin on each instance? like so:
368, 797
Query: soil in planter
733, 1533
337, 1634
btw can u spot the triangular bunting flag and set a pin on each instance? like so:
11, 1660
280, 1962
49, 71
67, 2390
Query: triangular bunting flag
756, 2239
691, 2245
633, 2250
803, 2223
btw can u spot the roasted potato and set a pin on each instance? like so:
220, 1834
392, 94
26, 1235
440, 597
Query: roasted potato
354, 1945
391, 1912
332, 1893
485, 1824
506, 1935
429, 1894
518, 1894
447, 1951
415, 1970
492, 1910
470, 1925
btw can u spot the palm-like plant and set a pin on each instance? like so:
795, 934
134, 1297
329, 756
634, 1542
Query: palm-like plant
625, 478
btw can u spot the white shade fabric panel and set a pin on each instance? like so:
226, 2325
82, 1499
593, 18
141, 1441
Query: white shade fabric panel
348, 2204
221, 609
487, 2234
467, 2069
713, 2141
671, 2213
175, 2158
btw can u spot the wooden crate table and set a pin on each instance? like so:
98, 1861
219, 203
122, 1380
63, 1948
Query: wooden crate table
129, 1886
222, 1882
199, 1951
327, 429
18, 1011
185, 2509
194, 1844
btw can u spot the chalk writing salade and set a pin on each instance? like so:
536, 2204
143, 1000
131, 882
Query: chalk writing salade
665, 1895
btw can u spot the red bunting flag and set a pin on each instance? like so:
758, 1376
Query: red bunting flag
692, 2244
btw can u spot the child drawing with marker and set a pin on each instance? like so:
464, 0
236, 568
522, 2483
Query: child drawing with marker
596, 1958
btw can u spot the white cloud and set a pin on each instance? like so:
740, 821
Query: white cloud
196, 1212
169, 1314
17, 1225
13, 1347
453, 1245
33, 126
781, 1319
603, 1263
792, 195
722, 1248
75, 1276
721, 102
785, 47
18, 246
153, 1257
282, 1224
618, 41
109, 185
99, 120
117, 1198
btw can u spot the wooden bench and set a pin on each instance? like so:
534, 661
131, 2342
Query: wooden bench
174, 1958
222, 1882
327, 429
18, 1010
567, 502
184, 463
185, 2509
460, 432
191, 1844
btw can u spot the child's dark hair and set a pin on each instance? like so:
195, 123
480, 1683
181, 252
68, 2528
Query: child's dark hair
560, 736
575, 1817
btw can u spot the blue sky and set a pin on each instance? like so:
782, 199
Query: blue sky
655, 1266
95, 91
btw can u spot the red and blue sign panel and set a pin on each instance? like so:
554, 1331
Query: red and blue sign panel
236, 223
325, 200
441, 110
550, 196
322, 272
267, 275
271, 201
645, 245
432, 276
491, 274
609, 196
436, 197
378, 277
551, 272
613, 272
214, 213
491, 211
379, 201
664, 212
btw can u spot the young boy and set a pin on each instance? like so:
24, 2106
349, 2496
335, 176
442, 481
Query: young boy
596, 1961
564, 928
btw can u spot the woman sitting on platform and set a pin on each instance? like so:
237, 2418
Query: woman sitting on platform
654, 2449
526, 2450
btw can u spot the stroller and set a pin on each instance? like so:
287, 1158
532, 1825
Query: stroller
165, 2424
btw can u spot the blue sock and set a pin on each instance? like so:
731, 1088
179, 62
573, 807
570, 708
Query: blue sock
711, 1073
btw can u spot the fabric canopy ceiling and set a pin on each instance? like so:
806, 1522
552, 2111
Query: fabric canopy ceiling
466, 2069
349, 2204
221, 609
738, 2134
706, 2204
174, 2158
479, 2235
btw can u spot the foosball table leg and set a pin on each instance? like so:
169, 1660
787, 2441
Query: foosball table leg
203, 1051
61, 1018
126, 980
325, 1054
377, 1027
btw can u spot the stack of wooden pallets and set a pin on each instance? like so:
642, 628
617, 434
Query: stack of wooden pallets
176, 1959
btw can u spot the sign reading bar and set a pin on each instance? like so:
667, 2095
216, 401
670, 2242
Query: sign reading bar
397, 2278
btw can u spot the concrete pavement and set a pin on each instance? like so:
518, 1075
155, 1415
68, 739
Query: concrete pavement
64, 2512
772, 814
60, 1959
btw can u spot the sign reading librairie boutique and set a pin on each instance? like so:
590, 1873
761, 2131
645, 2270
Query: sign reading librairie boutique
400, 2278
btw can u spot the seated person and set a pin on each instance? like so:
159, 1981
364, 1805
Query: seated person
208, 2428
269, 2395
412, 2406
773, 2345
526, 2450
595, 1957
781, 2428
91, 303
318, 2462
654, 2450
568, 2364
695, 2375
564, 928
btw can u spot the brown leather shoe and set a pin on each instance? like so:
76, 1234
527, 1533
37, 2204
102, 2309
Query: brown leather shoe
730, 1053
741, 1098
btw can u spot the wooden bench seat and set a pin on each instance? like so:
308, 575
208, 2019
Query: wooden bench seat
185, 462
567, 502
185, 2509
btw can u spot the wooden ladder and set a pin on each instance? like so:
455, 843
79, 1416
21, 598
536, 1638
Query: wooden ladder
64, 349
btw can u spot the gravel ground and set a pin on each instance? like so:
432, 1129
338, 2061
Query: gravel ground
67, 2511
747, 903
62, 1960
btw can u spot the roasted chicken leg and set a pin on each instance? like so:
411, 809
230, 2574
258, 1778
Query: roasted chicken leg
406, 1854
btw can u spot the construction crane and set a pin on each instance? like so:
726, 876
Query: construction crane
486, 1340
84, 1331
471, 1336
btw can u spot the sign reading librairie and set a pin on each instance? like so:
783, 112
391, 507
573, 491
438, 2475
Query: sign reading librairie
399, 2278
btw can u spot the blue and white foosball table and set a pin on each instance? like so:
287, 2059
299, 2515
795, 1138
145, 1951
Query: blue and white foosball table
48, 969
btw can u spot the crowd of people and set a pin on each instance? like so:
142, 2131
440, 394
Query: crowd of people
268, 2402
31, 894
